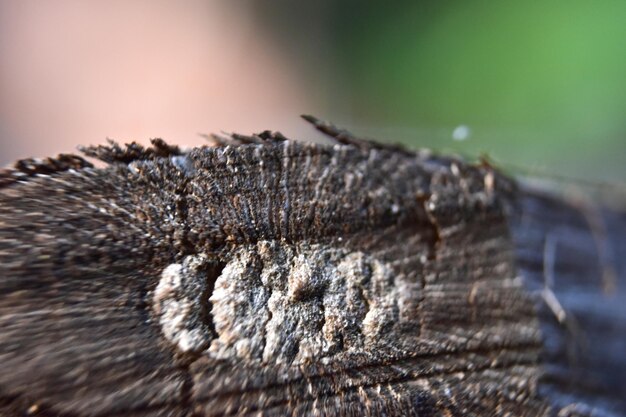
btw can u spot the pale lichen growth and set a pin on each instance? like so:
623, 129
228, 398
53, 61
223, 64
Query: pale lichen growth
178, 303
274, 302
293, 304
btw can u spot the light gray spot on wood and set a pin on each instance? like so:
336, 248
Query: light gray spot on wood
290, 304
178, 301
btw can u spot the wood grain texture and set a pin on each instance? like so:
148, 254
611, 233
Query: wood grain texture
571, 251
264, 276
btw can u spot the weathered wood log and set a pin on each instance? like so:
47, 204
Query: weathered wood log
265, 276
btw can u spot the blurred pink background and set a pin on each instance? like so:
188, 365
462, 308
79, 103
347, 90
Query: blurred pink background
76, 72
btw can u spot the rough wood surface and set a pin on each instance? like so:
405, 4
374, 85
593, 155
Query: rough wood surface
266, 276
571, 253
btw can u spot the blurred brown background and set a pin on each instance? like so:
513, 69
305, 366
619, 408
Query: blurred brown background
538, 85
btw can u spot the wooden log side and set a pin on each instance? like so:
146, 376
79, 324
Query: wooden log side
571, 251
264, 276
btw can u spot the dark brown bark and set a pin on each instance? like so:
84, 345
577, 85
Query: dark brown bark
274, 277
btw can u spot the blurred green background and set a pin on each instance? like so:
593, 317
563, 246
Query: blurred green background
539, 84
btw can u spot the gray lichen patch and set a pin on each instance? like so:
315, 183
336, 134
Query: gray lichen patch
275, 302
180, 301
291, 304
